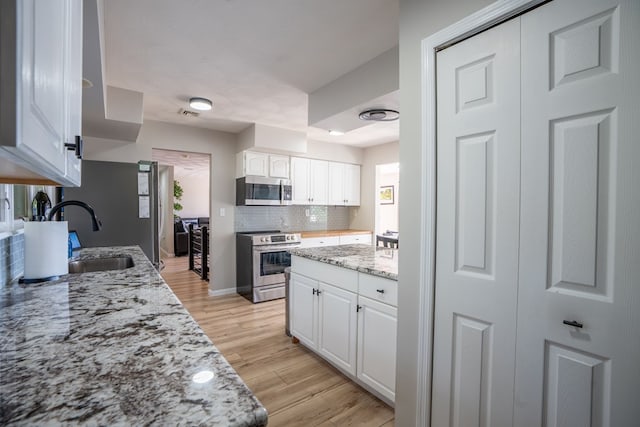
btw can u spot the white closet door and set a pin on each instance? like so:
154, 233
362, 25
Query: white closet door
580, 241
478, 120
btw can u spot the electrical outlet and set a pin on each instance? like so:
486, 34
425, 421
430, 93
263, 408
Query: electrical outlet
313, 218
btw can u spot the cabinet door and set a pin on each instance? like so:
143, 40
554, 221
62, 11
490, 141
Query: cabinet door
377, 329
278, 166
337, 326
352, 185
42, 46
319, 182
300, 181
303, 309
256, 163
336, 183
73, 83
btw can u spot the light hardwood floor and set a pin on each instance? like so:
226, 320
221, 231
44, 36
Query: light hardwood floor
297, 387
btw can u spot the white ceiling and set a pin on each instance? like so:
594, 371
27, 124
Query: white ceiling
184, 163
256, 60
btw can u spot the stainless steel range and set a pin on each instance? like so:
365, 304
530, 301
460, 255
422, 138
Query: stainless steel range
261, 258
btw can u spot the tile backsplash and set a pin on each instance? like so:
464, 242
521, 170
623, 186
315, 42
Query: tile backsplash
291, 218
11, 258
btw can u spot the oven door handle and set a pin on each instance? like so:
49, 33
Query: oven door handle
274, 248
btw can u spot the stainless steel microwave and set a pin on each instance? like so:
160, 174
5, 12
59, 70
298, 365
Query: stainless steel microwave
261, 191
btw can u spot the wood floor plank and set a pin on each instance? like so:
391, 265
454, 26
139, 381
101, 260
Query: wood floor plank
296, 386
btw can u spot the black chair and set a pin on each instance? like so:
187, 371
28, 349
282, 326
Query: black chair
387, 241
180, 239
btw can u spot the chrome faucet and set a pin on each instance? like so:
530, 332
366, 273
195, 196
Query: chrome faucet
96, 222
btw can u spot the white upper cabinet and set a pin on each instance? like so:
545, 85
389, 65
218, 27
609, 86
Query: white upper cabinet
344, 184
278, 166
41, 101
310, 181
255, 163
252, 163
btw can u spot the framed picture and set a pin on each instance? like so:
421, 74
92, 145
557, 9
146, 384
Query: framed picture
386, 195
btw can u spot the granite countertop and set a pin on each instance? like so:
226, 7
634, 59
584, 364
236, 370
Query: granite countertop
329, 233
368, 259
112, 348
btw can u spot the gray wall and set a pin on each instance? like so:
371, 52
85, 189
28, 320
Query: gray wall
418, 20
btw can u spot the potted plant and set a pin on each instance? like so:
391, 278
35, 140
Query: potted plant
177, 196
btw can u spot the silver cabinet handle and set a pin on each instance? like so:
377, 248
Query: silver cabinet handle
381, 291
8, 202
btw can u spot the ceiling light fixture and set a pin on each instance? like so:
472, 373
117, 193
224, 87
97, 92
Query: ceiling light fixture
202, 104
333, 132
379, 115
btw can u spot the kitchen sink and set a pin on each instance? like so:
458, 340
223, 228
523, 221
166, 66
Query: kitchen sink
100, 264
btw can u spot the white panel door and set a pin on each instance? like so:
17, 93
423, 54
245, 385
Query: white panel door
337, 326
319, 182
303, 309
300, 181
377, 331
580, 238
478, 164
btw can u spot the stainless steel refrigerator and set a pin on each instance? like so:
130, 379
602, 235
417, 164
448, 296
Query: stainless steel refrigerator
116, 192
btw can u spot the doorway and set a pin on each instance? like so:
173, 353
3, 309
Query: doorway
184, 199
386, 198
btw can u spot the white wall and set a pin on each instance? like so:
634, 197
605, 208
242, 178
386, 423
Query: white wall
364, 217
333, 152
195, 196
418, 20
221, 147
387, 214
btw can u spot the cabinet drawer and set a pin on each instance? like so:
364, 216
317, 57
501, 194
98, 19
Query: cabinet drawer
337, 276
378, 288
355, 238
311, 242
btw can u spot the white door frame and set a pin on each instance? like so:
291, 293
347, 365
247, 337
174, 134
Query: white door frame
491, 15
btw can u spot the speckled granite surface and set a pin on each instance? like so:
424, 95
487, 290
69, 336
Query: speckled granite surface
368, 259
112, 348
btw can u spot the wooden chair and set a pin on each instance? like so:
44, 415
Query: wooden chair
386, 241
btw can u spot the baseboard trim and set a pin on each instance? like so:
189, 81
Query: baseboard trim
221, 292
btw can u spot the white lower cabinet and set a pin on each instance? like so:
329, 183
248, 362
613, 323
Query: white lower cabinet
303, 309
337, 326
377, 326
323, 317
354, 332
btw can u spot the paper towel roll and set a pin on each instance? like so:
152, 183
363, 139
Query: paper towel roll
45, 249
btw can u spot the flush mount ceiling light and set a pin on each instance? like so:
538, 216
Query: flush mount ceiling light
202, 104
379, 115
334, 132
